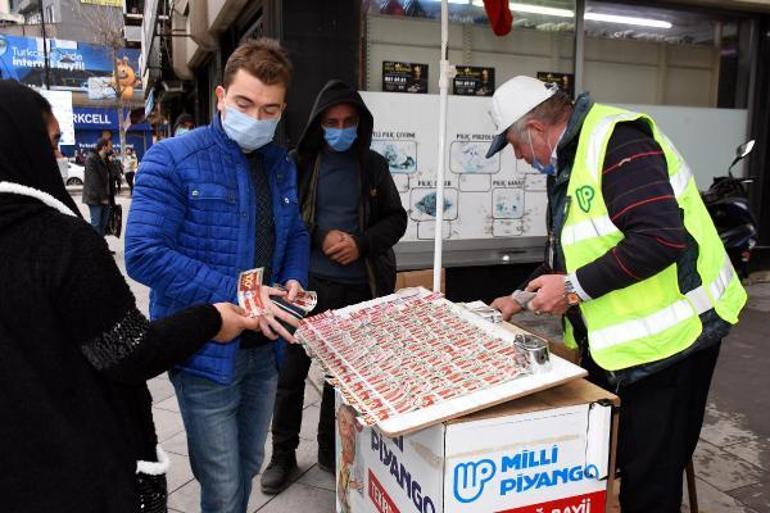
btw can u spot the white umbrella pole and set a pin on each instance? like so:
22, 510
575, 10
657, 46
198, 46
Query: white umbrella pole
443, 85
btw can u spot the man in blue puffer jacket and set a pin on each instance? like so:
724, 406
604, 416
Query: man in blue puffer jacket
207, 205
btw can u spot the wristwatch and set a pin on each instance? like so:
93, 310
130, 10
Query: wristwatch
570, 294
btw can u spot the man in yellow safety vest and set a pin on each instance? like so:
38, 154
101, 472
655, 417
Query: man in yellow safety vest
635, 267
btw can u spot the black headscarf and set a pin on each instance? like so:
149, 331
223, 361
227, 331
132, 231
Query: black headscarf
26, 157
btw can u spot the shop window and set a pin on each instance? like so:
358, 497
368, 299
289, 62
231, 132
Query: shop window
656, 56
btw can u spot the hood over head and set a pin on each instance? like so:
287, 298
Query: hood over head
26, 157
334, 93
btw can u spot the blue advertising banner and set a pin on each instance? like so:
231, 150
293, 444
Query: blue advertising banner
71, 64
94, 118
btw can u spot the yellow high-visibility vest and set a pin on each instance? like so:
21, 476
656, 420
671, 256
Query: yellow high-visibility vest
652, 319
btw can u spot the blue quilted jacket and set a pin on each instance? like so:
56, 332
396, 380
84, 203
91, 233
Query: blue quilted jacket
191, 230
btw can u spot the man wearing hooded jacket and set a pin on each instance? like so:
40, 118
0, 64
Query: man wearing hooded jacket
353, 212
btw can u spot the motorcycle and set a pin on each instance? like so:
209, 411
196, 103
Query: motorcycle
728, 204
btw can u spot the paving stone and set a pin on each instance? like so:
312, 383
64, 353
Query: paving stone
756, 452
180, 472
167, 424
187, 498
711, 500
722, 428
759, 295
318, 478
170, 404
309, 430
756, 496
312, 396
160, 388
723, 470
301, 498
177, 444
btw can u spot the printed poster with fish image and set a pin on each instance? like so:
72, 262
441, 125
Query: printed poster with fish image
484, 198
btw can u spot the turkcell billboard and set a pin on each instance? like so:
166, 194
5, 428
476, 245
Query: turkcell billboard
71, 63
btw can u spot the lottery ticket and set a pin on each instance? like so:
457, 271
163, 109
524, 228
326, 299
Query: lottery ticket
249, 285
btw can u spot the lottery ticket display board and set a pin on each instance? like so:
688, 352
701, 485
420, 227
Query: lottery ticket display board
496, 198
412, 359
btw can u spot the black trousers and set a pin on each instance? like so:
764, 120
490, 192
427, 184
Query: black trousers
660, 422
130, 180
287, 417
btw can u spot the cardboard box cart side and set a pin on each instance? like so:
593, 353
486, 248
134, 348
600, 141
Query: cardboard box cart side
550, 452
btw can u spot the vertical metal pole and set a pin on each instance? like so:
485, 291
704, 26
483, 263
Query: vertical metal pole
443, 85
45, 45
580, 9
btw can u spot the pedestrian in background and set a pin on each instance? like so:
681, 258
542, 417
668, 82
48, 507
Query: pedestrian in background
183, 124
98, 193
130, 165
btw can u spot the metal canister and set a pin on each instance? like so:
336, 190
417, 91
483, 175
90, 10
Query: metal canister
536, 350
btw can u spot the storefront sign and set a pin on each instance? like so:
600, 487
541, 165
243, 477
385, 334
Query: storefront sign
92, 118
565, 81
474, 81
71, 64
404, 77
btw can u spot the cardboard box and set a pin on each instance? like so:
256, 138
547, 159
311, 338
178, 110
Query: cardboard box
423, 278
545, 453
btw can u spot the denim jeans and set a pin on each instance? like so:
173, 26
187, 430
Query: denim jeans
226, 427
100, 214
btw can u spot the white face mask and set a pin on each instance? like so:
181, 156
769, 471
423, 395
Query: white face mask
248, 132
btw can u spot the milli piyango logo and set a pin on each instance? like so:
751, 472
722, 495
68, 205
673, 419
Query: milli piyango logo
470, 478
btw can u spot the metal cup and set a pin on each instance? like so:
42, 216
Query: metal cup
537, 352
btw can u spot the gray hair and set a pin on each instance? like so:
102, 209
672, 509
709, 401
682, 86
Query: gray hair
551, 111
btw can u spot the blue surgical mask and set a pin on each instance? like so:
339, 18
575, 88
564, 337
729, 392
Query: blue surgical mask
181, 131
340, 139
248, 132
547, 169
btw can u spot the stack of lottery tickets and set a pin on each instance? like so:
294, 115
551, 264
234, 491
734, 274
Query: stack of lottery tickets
250, 298
401, 354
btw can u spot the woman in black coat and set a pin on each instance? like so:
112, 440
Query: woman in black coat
76, 429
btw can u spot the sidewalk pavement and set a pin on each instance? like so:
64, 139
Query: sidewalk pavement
732, 461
